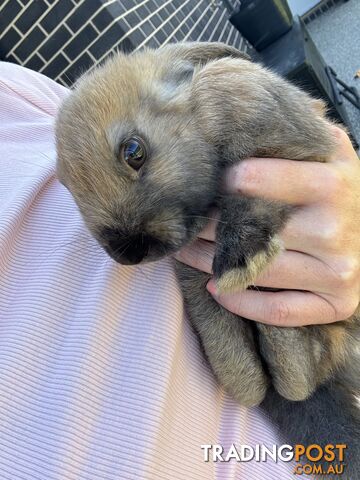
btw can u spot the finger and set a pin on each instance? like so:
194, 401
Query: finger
198, 254
297, 271
289, 181
284, 308
290, 270
313, 232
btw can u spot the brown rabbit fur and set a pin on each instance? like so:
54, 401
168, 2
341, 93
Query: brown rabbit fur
198, 108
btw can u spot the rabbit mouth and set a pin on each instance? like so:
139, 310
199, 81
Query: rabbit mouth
150, 237
137, 248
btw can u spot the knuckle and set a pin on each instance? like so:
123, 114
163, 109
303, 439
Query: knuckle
336, 183
340, 133
330, 234
347, 273
279, 313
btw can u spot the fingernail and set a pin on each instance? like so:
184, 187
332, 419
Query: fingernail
211, 287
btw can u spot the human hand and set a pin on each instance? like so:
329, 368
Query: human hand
320, 264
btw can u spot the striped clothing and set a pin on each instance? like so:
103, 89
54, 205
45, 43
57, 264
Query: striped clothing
101, 375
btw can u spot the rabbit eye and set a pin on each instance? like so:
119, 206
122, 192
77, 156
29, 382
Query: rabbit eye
133, 151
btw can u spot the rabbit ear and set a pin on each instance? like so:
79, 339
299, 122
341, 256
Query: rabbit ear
202, 52
179, 62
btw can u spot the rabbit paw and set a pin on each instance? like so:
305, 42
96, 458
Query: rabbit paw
230, 278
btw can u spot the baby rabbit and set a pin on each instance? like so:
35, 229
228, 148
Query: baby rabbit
142, 143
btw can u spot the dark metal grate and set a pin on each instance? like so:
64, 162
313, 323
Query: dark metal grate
319, 9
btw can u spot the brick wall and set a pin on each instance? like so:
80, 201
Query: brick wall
63, 38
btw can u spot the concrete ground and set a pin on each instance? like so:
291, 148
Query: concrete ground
299, 7
336, 34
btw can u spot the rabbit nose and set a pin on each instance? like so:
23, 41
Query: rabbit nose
128, 250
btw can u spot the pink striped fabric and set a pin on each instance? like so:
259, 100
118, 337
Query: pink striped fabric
101, 376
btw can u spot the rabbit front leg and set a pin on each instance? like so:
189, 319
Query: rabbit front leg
246, 243
227, 340
247, 240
